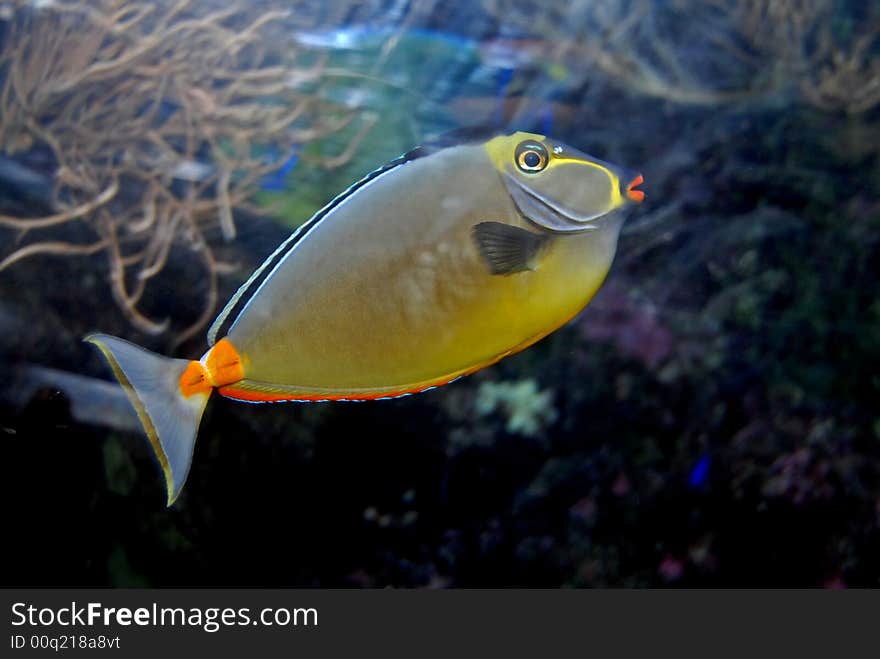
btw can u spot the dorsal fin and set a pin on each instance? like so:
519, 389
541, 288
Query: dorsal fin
237, 302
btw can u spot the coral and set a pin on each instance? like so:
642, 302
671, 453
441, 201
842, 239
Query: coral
528, 409
632, 326
715, 52
848, 78
831, 60
157, 116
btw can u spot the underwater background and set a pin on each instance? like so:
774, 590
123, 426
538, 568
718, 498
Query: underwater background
711, 418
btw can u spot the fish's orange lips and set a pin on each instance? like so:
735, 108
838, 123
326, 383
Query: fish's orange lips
635, 195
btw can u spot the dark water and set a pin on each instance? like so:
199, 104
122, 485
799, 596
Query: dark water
710, 418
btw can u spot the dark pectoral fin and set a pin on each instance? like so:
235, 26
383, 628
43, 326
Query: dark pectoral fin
507, 249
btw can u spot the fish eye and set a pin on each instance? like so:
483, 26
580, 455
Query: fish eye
531, 156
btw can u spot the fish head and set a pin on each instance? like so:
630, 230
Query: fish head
558, 187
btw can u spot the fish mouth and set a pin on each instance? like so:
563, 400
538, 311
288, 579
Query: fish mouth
632, 193
543, 212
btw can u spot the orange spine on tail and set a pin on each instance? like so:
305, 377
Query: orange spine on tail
220, 366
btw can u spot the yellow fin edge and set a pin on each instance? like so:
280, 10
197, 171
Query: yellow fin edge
142, 415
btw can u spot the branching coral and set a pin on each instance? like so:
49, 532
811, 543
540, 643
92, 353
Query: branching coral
528, 409
848, 80
833, 61
652, 49
159, 117
709, 52
783, 29
685, 53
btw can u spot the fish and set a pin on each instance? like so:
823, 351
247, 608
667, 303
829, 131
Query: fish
447, 259
91, 400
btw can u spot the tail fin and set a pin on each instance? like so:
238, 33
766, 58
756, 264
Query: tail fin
170, 419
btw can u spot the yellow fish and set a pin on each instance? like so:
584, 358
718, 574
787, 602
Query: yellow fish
444, 261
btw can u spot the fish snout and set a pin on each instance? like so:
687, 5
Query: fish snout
630, 189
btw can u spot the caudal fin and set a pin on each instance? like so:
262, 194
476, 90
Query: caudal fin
170, 419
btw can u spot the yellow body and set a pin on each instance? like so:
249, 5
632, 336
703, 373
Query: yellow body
390, 294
